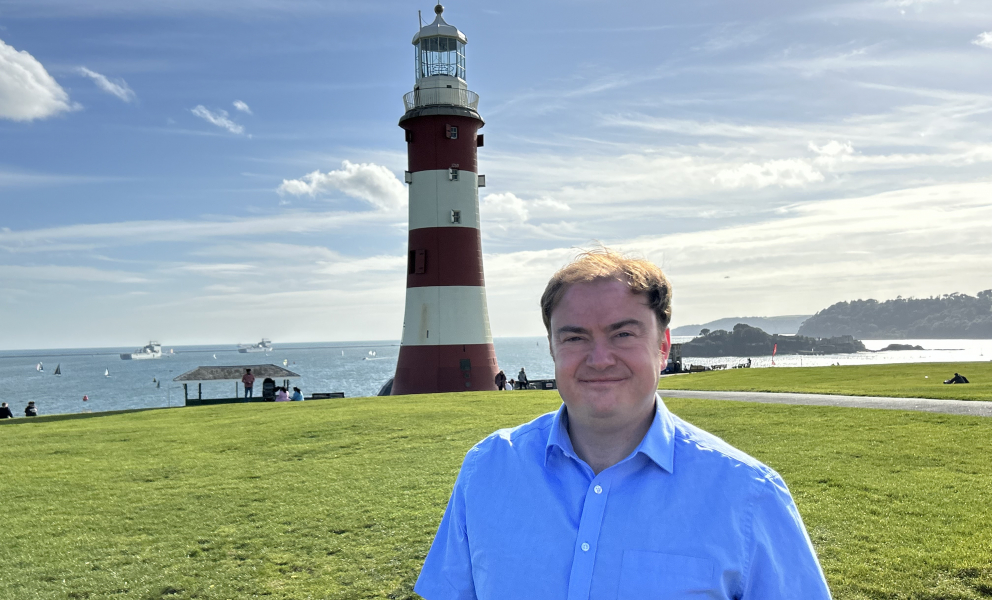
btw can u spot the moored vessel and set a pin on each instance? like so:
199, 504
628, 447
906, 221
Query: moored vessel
149, 350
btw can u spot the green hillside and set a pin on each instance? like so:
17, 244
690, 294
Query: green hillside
340, 499
949, 316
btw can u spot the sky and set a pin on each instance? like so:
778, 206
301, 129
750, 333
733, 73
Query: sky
208, 171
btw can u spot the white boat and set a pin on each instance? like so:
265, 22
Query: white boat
106, 372
150, 350
40, 367
264, 346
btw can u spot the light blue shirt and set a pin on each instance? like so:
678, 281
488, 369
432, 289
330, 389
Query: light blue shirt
686, 515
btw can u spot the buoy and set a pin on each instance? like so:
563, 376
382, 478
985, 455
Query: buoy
86, 398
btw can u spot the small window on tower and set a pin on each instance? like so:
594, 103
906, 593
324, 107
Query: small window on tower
420, 262
452, 174
451, 132
456, 216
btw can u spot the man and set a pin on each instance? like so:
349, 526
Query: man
249, 380
522, 379
612, 496
500, 381
30, 410
5, 412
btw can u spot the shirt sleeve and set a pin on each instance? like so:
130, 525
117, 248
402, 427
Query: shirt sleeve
782, 561
447, 572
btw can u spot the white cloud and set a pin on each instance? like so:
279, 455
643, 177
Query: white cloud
984, 40
370, 182
506, 208
117, 88
219, 118
130, 233
783, 173
59, 273
27, 91
238, 104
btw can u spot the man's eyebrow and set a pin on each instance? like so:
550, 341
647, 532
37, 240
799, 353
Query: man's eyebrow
571, 329
625, 323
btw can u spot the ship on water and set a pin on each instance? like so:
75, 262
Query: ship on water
264, 346
150, 350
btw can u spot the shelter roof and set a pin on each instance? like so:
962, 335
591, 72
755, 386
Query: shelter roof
236, 372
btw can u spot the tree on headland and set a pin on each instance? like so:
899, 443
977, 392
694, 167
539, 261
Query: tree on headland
948, 316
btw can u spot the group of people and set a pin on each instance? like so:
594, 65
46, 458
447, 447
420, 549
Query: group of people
502, 383
29, 411
278, 394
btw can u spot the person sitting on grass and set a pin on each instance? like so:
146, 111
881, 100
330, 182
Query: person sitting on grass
5, 412
281, 395
297, 395
30, 410
958, 378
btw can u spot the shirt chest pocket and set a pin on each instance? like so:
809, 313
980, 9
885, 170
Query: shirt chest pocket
658, 576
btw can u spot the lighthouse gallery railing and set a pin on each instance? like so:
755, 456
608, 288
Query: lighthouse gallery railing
434, 96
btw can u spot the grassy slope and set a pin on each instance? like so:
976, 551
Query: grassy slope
899, 380
340, 499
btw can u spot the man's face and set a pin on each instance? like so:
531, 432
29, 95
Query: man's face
608, 352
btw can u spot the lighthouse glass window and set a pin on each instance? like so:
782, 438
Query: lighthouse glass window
441, 56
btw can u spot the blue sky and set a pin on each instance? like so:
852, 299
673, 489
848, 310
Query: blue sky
214, 172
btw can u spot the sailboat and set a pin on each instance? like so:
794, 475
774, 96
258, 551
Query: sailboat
58, 369
106, 372
285, 362
40, 367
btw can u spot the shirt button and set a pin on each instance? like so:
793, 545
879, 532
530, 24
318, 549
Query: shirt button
598, 489
585, 546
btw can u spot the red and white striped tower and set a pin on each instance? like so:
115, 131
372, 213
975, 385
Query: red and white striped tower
447, 345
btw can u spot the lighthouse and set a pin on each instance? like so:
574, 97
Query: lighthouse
447, 345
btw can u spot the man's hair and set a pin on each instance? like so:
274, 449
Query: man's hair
641, 276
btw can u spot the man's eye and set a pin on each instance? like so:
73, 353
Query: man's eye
624, 334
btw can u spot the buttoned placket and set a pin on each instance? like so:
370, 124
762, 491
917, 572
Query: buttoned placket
587, 539
591, 523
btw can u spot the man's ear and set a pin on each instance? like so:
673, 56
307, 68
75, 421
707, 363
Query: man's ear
666, 346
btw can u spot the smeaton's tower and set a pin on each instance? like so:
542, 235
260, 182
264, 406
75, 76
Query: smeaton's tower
447, 345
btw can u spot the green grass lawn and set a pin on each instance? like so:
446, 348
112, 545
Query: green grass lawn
919, 380
340, 499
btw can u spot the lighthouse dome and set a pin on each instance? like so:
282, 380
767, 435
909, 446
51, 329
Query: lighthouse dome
439, 28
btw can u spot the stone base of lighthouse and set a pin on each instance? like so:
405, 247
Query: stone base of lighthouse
428, 369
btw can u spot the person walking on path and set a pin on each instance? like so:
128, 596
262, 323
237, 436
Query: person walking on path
5, 412
500, 381
297, 395
249, 380
30, 410
522, 379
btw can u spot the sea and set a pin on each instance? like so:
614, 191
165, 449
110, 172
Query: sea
356, 368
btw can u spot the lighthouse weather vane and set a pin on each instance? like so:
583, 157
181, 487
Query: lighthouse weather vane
447, 345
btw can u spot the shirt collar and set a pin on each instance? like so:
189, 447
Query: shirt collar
658, 443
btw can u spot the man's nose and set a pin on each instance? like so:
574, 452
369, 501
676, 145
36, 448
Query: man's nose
601, 354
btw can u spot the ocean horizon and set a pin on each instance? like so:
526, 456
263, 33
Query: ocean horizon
357, 369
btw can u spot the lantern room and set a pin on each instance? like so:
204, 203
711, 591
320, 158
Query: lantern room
440, 49
440, 67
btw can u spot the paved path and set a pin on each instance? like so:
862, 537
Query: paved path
976, 408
